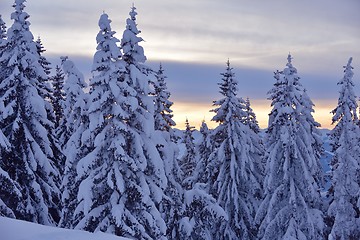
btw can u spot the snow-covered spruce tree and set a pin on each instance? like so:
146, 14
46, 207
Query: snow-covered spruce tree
142, 120
163, 113
250, 118
171, 206
188, 161
251, 121
345, 189
236, 184
58, 95
292, 207
46, 93
77, 142
202, 214
74, 90
44, 83
23, 120
204, 150
125, 177
141, 123
43, 61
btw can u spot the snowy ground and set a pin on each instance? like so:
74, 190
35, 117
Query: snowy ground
11, 229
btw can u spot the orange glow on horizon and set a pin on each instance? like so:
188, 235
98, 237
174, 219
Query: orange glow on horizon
198, 112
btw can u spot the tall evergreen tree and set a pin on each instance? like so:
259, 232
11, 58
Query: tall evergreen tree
163, 113
24, 122
76, 146
141, 124
58, 95
125, 179
237, 182
171, 206
345, 189
292, 207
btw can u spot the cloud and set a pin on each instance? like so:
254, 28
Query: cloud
251, 34
193, 39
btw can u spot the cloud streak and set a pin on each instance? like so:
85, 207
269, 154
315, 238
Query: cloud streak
193, 39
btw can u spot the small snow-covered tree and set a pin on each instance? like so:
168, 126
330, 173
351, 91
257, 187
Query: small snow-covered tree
202, 215
58, 95
292, 207
202, 212
189, 159
73, 88
24, 122
46, 93
237, 182
204, 150
163, 113
250, 118
345, 189
46, 90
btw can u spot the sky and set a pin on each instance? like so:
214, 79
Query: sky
194, 39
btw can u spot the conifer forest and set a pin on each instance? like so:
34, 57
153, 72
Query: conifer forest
103, 154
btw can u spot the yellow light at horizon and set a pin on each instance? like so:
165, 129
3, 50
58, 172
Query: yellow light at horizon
198, 112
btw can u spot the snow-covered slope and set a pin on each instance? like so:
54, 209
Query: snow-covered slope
11, 229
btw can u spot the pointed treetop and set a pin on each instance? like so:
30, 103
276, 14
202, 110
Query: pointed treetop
348, 70
348, 66
133, 13
229, 68
228, 86
289, 58
277, 75
188, 126
63, 58
204, 127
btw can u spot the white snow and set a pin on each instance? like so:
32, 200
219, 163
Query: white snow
12, 229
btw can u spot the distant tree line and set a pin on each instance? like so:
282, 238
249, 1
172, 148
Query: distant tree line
111, 160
